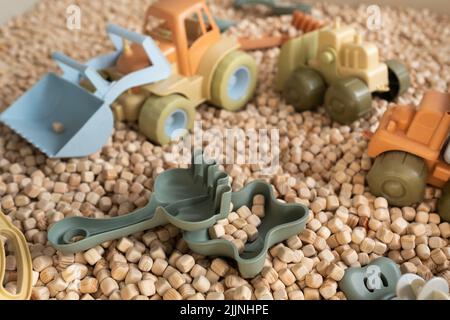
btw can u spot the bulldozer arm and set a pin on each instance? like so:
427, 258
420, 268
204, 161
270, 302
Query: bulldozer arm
188, 87
85, 118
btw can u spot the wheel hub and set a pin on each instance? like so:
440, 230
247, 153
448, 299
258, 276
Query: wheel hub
238, 83
176, 121
394, 189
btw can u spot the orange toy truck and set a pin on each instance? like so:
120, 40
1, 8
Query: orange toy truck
411, 149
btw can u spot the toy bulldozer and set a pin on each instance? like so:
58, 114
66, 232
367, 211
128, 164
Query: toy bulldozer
334, 67
64, 120
411, 148
157, 80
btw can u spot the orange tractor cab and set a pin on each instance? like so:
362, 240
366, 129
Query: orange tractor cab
184, 31
411, 149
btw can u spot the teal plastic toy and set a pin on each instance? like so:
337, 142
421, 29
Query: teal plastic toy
224, 25
281, 221
86, 117
193, 200
190, 199
376, 281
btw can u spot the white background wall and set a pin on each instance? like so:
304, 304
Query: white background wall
9, 8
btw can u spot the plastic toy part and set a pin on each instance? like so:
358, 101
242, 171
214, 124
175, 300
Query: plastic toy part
181, 25
347, 100
349, 67
300, 21
234, 81
412, 287
164, 118
223, 24
190, 39
87, 122
264, 42
410, 148
305, 22
399, 177
444, 203
376, 281
281, 222
277, 8
399, 80
71, 115
23, 258
305, 89
85, 117
191, 199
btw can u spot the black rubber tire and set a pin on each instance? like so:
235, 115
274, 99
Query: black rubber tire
348, 100
400, 177
444, 203
305, 89
399, 81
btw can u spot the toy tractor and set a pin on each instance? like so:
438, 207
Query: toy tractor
157, 79
411, 148
206, 66
334, 67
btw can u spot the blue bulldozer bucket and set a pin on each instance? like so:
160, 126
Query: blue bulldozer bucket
86, 120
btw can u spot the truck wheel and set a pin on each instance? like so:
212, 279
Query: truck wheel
234, 81
399, 80
399, 177
164, 118
348, 100
305, 89
444, 203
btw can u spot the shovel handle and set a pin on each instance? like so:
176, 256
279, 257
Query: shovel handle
77, 234
23, 257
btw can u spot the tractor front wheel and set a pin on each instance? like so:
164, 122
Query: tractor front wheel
234, 81
399, 80
163, 119
305, 89
399, 177
444, 203
348, 100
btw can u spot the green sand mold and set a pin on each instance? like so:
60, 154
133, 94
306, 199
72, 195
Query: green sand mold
191, 199
281, 221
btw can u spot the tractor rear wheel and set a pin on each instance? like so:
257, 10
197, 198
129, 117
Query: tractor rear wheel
163, 119
399, 177
444, 203
305, 89
234, 81
399, 80
348, 100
